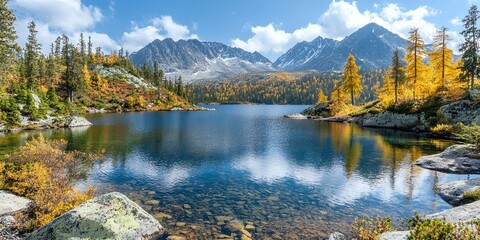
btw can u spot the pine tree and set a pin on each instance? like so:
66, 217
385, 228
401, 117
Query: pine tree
441, 59
32, 55
321, 97
397, 73
8, 46
157, 78
337, 92
351, 79
469, 48
415, 54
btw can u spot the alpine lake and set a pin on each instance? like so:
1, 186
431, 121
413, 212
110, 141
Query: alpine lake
285, 178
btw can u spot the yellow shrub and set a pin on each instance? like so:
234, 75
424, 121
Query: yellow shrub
43, 172
442, 129
370, 229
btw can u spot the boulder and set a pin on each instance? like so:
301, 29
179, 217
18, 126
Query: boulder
11, 203
453, 192
397, 235
463, 111
393, 120
459, 159
336, 236
76, 121
295, 116
110, 216
464, 213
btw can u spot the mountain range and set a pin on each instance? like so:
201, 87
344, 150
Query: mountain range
194, 60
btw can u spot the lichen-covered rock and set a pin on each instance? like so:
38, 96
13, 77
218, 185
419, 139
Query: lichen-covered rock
453, 192
463, 111
76, 121
460, 159
110, 216
11, 203
397, 235
319, 110
388, 119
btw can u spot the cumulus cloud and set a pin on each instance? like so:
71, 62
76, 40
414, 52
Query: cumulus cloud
159, 28
340, 20
56, 17
456, 21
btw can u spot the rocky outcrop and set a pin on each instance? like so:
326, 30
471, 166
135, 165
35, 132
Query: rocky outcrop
463, 111
110, 216
76, 121
464, 213
295, 116
412, 122
319, 110
336, 236
460, 159
453, 192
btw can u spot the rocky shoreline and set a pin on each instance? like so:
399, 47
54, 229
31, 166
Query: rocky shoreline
48, 123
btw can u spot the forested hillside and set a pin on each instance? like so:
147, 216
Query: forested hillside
279, 87
74, 77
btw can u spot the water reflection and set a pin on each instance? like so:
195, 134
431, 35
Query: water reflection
248, 162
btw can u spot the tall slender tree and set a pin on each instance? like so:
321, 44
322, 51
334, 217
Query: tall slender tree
32, 56
351, 79
441, 58
397, 73
8, 45
415, 54
469, 47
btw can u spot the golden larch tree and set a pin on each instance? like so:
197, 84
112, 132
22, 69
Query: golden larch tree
441, 59
351, 79
415, 67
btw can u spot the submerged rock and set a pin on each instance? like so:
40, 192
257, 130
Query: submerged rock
460, 159
453, 192
110, 216
76, 121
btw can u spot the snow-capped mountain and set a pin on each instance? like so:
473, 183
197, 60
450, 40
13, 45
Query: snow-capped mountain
195, 60
372, 46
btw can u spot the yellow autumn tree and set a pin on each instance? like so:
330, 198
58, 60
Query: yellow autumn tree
321, 97
387, 92
441, 59
86, 76
415, 70
351, 79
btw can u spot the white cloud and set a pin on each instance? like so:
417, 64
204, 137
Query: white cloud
456, 21
56, 17
65, 15
160, 28
339, 20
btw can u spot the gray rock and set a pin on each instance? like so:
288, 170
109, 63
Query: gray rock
464, 213
397, 235
10, 203
460, 159
453, 192
110, 216
295, 116
393, 120
463, 111
36, 100
76, 121
337, 236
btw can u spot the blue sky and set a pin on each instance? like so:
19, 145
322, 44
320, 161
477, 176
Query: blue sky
270, 27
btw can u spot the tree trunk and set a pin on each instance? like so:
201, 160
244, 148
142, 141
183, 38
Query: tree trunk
351, 96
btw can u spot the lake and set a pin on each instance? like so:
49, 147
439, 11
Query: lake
291, 179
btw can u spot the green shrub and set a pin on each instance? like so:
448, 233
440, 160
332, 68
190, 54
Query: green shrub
407, 107
469, 133
472, 196
11, 115
370, 229
440, 229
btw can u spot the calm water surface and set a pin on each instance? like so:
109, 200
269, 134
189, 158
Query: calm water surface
296, 179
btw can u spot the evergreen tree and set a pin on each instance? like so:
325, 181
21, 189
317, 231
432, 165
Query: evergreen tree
8, 46
73, 74
89, 48
469, 48
351, 79
83, 50
397, 73
32, 54
415, 67
441, 59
